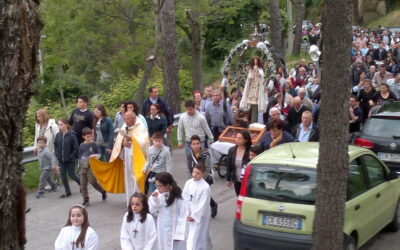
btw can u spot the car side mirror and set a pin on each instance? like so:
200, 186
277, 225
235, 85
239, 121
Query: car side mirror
392, 176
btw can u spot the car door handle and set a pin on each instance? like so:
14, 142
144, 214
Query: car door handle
378, 195
357, 207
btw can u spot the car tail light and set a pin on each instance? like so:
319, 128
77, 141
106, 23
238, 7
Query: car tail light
242, 194
363, 143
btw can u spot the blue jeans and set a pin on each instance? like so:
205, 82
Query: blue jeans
68, 167
104, 154
189, 150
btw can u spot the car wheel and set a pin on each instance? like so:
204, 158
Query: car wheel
350, 243
394, 225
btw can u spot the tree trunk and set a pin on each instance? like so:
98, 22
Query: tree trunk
275, 14
171, 82
60, 73
356, 14
300, 15
151, 60
197, 50
333, 162
20, 34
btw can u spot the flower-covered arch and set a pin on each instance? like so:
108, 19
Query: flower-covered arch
238, 75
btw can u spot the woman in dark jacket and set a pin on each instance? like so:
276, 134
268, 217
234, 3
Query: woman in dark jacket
238, 156
66, 150
200, 155
156, 120
104, 132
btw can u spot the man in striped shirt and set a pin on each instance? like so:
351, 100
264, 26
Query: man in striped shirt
193, 123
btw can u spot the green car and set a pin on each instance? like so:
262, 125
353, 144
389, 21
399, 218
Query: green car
275, 208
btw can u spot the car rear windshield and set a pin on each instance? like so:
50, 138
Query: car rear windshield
382, 127
282, 183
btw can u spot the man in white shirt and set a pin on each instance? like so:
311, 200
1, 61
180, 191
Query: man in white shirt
193, 123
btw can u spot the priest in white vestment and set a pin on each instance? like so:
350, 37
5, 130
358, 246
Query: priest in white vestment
133, 127
197, 193
171, 221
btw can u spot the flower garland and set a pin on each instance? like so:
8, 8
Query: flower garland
262, 46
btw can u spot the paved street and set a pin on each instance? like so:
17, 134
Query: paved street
48, 215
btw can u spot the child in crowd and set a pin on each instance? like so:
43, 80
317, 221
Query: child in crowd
197, 193
254, 151
158, 160
47, 162
171, 210
66, 149
119, 116
138, 230
77, 234
88, 149
198, 154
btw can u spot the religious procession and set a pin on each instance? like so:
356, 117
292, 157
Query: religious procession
220, 132
237, 169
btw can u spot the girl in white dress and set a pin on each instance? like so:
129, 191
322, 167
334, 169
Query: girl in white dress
167, 205
77, 234
138, 230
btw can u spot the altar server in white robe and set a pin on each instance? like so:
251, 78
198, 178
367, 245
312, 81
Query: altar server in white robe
77, 234
197, 193
138, 230
167, 205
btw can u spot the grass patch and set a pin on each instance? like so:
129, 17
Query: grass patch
174, 138
30, 179
391, 19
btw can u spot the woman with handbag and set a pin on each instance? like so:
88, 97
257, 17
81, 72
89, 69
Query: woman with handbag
197, 155
237, 157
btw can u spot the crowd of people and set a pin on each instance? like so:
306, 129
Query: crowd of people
290, 111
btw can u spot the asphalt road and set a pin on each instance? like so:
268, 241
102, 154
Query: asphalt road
48, 215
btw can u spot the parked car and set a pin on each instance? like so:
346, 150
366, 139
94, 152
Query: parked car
381, 134
276, 205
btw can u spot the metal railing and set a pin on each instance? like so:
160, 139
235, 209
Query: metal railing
29, 156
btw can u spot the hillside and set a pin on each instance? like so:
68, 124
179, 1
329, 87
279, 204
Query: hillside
391, 19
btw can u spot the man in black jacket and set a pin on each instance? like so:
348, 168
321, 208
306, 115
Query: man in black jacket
295, 112
306, 131
381, 53
153, 99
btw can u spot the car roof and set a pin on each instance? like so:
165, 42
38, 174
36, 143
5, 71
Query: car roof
388, 109
302, 154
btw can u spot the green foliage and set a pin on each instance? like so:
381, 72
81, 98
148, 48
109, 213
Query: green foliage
221, 36
86, 40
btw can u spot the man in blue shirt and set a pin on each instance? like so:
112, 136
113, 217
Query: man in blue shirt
218, 114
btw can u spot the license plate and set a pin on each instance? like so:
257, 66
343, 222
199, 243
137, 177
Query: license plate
389, 157
283, 222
